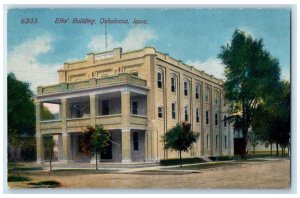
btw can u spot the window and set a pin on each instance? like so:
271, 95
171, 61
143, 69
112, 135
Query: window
216, 141
206, 94
105, 107
135, 137
173, 110
197, 115
207, 119
216, 119
135, 107
225, 121
173, 84
186, 115
80, 141
225, 141
216, 97
160, 111
186, 93
197, 91
206, 141
159, 80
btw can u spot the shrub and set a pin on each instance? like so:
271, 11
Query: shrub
169, 162
222, 158
45, 184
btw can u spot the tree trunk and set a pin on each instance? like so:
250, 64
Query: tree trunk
96, 161
271, 148
51, 160
180, 159
277, 152
253, 148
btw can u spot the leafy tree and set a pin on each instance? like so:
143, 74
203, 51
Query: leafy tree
252, 75
46, 114
95, 140
272, 119
20, 112
179, 138
253, 139
20, 107
49, 144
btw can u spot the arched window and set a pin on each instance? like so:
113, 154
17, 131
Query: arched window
216, 97
173, 84
216, 119
186, 88
225, 121
197, 90
160, 79
206, 94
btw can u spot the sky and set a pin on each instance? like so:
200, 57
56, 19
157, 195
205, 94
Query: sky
35, 51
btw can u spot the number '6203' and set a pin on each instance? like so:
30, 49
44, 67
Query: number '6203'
29, 21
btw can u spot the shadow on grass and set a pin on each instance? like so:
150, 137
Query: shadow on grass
14, 178
45, 184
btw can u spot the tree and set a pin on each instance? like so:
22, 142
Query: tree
253, 139
252, 75
179, 138
20, 112
272, 118
95, 140
49, 144
20, 107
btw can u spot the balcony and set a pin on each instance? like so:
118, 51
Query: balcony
121, 79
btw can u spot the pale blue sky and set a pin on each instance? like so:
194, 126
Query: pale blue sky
191, 35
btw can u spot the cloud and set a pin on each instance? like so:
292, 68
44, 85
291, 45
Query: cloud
136, 38
23, 62
285, 73
211, 66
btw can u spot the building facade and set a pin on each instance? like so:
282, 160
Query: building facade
137, 96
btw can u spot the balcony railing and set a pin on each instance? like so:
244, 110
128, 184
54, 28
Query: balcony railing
123, 78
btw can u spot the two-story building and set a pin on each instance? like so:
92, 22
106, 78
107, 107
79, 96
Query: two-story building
137, 96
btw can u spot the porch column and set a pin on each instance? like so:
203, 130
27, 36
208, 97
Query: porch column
93, 107
125, 109
39, 137
40, 149
126, 146
66, 144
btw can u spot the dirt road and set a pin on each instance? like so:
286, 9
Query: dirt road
259, 175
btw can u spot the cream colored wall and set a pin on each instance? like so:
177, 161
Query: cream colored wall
147, 62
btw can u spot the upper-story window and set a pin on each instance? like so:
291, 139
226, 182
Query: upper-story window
160, 111
207, 117
173, 84
197, 115
216, 119
216, 97
186, 113
206, 94
159, 79
135, 106
186, 88
225, 121
173, 110
197, 90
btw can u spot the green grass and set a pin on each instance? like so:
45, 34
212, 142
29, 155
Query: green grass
45, 184
24, 169
14, 178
